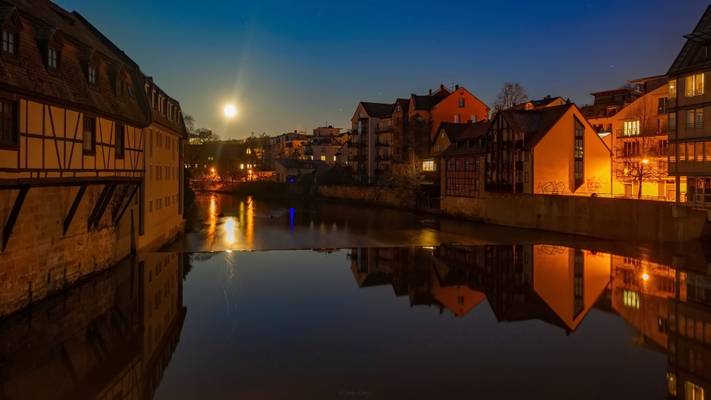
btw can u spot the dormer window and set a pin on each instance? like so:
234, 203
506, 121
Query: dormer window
52, 58
92, 74
9, 42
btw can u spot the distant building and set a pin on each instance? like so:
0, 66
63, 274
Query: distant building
368, 154
461, 153
326, 131
229, 160
290, 171
547, 101
288, 145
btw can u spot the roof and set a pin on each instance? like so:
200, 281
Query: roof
426, 102
535, 123
464, 140
692, 54
403, 103
47, 22
378, 110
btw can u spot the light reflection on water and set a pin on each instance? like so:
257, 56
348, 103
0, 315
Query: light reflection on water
528, 319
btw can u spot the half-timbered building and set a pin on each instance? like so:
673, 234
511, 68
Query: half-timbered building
73, 119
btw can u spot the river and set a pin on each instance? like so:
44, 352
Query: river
299, 300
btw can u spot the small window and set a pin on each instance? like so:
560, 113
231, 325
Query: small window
89, 138
52, 58
8, 123
461, 102
119, 140
694, 85
9, 42
672, 89
631, 128
428, 165
92, 74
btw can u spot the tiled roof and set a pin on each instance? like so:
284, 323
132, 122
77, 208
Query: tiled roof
535, 123
378, 110
426, 102
44, 21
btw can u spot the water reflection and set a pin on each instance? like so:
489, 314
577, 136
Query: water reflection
670, 310
109, 338
311, 324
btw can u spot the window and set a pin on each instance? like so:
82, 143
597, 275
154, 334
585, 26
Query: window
8, 123
695, 118
461, 102
428, 165
631, 128
672, 89
578, 287
672, 122
579, 153
694, 85
89, 138
52, 58
323, 157
119, 140
662, 105
9, 42
462, 177
92, 74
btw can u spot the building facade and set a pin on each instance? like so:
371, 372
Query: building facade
73, 152
689, 109
637, 132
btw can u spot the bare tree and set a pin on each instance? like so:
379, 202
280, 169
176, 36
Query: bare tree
511, 94
189, 123
203, 135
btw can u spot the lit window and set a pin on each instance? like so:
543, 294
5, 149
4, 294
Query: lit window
672, 89
631, 128
671, 383
249, 151
695, 118
630, 299
92, 74
9, 42
694, 85
334, 158
52, 58
428, 165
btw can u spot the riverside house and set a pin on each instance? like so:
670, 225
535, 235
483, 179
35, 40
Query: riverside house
87, 144
637, 132
689, 110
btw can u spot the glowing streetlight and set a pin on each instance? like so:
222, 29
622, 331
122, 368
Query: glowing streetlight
212, 171
645, 161
230, 111
645, 277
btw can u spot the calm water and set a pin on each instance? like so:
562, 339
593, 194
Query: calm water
345, 302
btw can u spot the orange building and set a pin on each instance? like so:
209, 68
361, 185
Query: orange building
637, 132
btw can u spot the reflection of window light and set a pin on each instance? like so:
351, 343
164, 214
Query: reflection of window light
241, 166
630, 299
671, 383
693, 391
428, 165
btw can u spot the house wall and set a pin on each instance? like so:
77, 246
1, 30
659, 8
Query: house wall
40, 259
162, 199
553, 163
447, 109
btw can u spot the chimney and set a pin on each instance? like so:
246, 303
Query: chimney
430, 92
456, 87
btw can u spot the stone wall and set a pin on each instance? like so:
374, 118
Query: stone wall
383, 196
619, 219
40, 260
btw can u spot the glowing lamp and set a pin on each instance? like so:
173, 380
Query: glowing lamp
645, 276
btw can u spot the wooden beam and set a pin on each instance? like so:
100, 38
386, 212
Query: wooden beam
118, 216
73, 209
14, 213
100, 206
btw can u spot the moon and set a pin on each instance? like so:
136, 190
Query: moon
230, 111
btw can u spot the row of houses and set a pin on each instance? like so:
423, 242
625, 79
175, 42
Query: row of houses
647, 139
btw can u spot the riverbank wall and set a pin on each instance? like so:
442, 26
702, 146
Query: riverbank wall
616, 219
40, 258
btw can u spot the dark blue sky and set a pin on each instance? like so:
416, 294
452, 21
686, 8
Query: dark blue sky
299, 64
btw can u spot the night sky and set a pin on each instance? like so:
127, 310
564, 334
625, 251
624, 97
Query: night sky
300, 64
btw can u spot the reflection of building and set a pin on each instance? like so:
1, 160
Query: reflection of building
109, 338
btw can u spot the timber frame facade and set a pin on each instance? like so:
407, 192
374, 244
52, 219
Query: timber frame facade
75, 117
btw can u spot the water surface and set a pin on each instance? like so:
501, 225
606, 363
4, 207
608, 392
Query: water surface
340, 301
